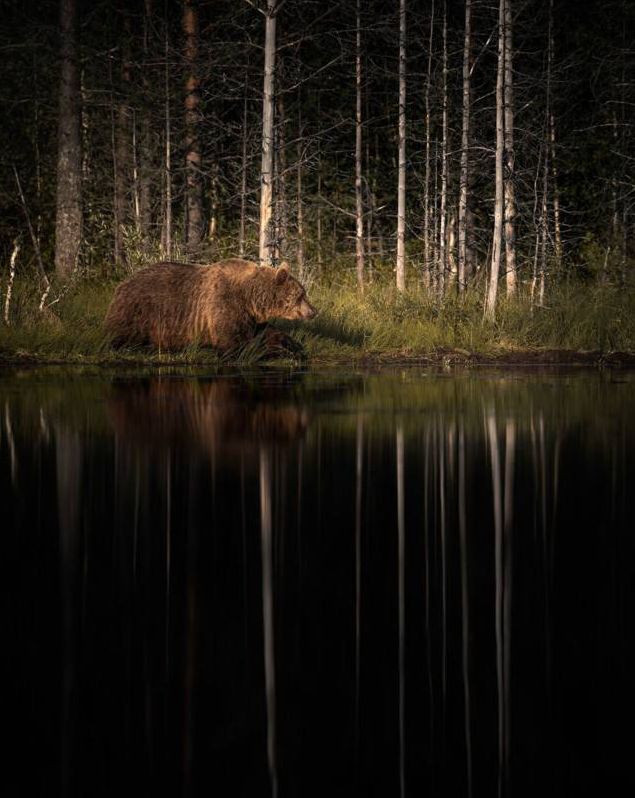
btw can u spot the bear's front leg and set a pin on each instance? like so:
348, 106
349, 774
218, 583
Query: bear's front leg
278, 344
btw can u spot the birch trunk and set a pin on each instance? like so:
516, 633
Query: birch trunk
552, 149
266, 171
465, 143
12, 261
401, 186
193, 156
68, 222
426, 188
442, 263
359, 207
544, 229
497, 242
510, 199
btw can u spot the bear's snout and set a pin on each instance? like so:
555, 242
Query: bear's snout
307, 311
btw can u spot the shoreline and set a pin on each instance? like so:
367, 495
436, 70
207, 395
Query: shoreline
442, 357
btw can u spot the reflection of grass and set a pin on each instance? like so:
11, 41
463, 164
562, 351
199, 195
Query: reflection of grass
586, 404
349, 326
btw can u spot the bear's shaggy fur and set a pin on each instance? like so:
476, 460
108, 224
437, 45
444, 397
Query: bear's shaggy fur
224, 305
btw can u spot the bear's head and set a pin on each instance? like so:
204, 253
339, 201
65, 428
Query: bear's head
289, 300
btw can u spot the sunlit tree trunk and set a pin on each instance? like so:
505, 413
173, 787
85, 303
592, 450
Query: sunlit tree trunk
497, 241
442, 264
359, 207
552, 149
544, 229
68, 222
426, 187
12, 262
265, 248
401, 186
193, 158
509, 157
465, 143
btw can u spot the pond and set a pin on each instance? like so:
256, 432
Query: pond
276, 583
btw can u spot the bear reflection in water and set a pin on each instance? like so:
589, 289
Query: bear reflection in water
223, 417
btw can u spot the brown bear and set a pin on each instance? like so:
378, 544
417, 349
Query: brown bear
223, 305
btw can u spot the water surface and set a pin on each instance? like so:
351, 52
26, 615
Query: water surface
305, 584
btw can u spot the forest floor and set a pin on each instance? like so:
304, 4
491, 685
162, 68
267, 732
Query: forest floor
581, 325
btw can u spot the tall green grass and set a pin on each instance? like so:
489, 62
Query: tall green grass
349, 326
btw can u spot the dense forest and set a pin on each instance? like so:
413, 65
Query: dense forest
455, 149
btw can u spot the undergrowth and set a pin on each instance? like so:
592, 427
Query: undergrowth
349, 326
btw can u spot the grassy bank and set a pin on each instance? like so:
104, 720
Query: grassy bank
382, 324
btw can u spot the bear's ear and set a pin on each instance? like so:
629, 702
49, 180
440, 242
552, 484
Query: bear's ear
281, 274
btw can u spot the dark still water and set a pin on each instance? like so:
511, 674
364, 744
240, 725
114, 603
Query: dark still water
318, 584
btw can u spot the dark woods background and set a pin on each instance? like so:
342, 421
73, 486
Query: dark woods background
160, 82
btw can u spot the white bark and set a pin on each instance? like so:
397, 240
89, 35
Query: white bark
401, 186
7, 301
266, 171
426, 188
510, 199
552, 148
490, 300
442, 264
359, 207
465, 143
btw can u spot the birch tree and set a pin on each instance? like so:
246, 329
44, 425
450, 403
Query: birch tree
266, 243
465, 143
359, 207
552, 145
68, 222
509, 156
426, 188
497, 240
401, 185
442, 266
